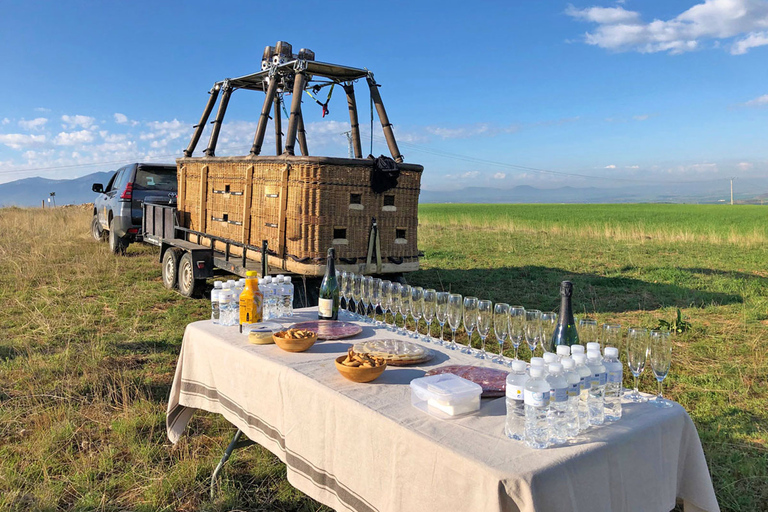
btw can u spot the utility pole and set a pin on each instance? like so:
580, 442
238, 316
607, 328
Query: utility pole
53, 198
350, 154
732, 190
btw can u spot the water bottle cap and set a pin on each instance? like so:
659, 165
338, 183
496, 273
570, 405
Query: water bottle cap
568, 363
267, 280
611, 352
537, 361
550, 357
593, 346
287, 279
519, 366
537, 371
579, 358
555, 368
217, 285
577, 349
280, 279
563, 350
280, 276
593, 354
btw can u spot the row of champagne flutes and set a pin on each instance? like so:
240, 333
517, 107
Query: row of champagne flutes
514, 323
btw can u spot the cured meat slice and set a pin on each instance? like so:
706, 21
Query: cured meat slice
492, 380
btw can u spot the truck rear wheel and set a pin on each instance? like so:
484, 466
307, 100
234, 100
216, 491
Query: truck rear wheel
96, 231
188, 285
170, 267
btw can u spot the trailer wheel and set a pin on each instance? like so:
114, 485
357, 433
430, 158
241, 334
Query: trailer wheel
96, 230
116, 244
188, 285
170, 267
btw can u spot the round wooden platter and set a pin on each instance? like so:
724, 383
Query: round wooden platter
330, 329
391, 359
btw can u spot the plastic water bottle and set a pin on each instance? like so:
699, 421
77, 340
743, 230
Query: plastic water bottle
536, 409
585, 385
558, 404
574, 390
279, 302
288, 296
563, 351
596, 401
515, 425
215, 311
266, 288
549, 358
225, 299
234, 302
614, 369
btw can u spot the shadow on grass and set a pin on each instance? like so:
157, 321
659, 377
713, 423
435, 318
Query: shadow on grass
538, 287
7, 353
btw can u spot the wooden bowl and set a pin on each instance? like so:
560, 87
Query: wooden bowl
294, 345
359, 374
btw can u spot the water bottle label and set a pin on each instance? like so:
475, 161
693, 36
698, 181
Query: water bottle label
558, 394
614, 377
603, 378
537, 399
573, 389
586, 383
595, 379
515, 392
325, 307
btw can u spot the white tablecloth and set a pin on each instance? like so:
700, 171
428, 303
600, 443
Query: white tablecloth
364, 447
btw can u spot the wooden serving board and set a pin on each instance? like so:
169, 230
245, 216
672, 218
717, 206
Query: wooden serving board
330, 329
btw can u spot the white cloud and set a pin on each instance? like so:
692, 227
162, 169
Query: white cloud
123, 119
622, 30
745, 166
499, 175
758, 102
42, 109
21, 141
5, 121
77, 120
73, 138
470, 130
633, 167
611, 166
470, 175
641, 117
33, 124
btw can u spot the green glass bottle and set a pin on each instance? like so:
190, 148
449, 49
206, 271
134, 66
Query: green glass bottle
565, 331
328, 301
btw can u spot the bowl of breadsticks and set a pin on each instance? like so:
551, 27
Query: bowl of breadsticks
359, 367
295, 340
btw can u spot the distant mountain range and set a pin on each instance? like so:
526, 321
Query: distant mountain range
32, 191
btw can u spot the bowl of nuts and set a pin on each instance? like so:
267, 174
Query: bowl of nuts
295, 340
360, 367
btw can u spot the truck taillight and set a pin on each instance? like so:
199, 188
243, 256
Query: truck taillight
132, 231
128, 192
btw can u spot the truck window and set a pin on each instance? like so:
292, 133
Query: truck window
110, 182
156, 178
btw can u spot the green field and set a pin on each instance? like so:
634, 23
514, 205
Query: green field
90, 343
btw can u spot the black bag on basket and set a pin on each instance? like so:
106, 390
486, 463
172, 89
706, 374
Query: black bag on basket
384, 175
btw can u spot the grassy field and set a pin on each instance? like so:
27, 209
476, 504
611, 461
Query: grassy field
90, 343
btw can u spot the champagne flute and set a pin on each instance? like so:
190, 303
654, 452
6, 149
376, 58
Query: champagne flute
367, 282
532, 328
375, 290
516, 326
455, 311
417, 307
637, 353
661, 360
441, 313
405, 306
548, 325
484, 320
357, 293
394, 304
611, 336
385, 290
470, 322
430, 305
587, 331
501, 328
341, 277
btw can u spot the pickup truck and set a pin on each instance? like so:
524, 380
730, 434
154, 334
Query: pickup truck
117, 210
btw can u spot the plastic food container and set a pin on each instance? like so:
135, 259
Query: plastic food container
445, 396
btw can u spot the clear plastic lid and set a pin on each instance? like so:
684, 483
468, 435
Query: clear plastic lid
446, 388
537, 371
592, 345
577, 349
611, 352
550, 357
593, 354
519, 366
579, 358
555, 368
563, 350
537, 361
568, 363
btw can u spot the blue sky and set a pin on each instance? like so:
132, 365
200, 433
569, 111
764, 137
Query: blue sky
597, 93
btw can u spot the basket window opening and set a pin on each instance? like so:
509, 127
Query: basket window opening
355, 198
389, 200
226, 189
225, 217
400, 233
339, 233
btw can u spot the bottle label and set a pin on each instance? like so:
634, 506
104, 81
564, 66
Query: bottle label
586, 383
536, 399
515, 392
558, 394
603, 378
325, 308
614, 377
574, 389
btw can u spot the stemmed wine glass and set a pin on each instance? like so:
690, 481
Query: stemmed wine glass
637, 353
430, 305
470, 322
455, 311
441, 313
375, 291
394, 304
366, 283
611, 336
385, 296
532, 328
343, 289
501, 328
405, 306
484, 320
548, 325
417, 307
587, 331
516, 326
661, 360
357, 293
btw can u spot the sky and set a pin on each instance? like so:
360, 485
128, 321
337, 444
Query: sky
497, 93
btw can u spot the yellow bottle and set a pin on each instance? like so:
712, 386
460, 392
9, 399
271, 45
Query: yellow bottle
251, 300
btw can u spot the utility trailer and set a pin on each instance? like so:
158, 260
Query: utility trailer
299, 205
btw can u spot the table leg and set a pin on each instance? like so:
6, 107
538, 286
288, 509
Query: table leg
233, 445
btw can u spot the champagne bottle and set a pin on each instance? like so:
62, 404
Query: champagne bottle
565, 331
328, 303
